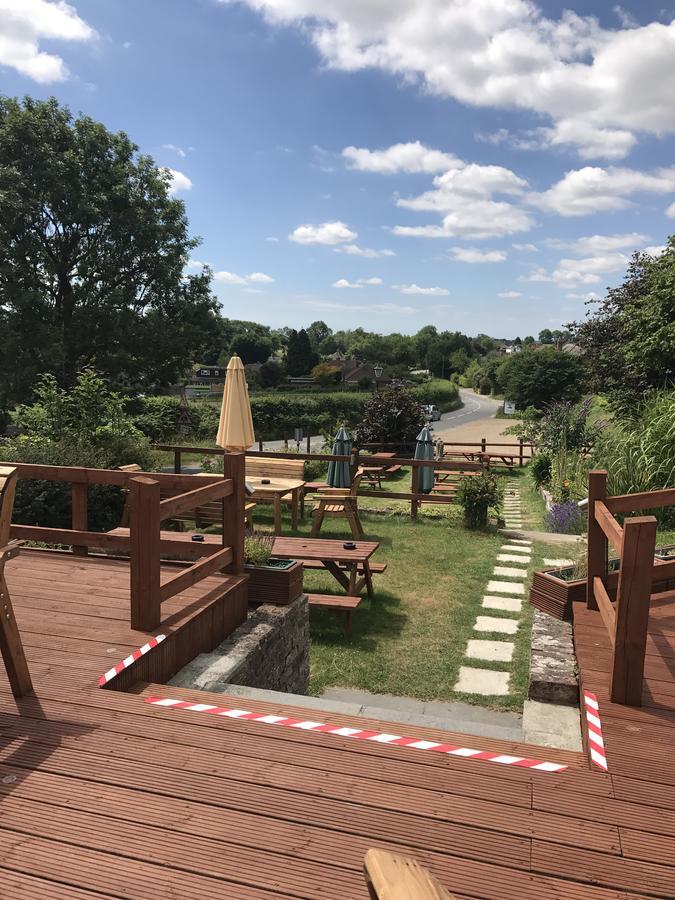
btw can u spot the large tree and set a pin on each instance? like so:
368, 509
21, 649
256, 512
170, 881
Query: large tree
92, 251
300, 358
629, 342
537, 377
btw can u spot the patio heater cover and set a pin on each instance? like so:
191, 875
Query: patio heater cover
338, 472
424, 449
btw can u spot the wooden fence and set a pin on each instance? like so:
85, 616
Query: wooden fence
357, 459
633, 585
147, 510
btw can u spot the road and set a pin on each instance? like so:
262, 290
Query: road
476, 409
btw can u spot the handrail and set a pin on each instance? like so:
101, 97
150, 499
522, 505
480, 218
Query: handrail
194, 573
623, 503
182, 503
71, 537
611, 528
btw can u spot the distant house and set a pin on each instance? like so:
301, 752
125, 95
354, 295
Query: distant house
572, 349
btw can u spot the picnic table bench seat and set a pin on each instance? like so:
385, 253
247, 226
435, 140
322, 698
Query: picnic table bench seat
340, 603
375, 568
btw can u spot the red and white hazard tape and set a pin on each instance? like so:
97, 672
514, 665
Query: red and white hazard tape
596, 745
131, 659
360, 734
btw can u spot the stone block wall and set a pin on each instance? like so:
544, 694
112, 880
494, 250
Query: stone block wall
270, 651
553, 665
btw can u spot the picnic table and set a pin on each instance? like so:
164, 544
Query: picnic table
278, 489
350, 568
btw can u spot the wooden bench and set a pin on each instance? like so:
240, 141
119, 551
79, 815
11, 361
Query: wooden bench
341, 603
375, 568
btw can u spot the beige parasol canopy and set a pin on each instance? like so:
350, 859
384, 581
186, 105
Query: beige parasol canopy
235, 431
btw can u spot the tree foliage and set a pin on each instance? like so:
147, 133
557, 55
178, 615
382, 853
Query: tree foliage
93, 248
629, 341
537, 377
394, 415
300, 358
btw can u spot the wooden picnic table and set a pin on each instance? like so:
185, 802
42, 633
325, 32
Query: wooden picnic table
333, 555
278, 489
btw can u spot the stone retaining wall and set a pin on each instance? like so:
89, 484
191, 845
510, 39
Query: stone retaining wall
553, 664
270, 650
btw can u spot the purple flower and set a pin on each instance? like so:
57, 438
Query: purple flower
566, 518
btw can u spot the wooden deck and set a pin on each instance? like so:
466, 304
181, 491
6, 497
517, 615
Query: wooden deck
104, 795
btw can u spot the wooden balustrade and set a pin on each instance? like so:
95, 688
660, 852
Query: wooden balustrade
147, 510
627, 619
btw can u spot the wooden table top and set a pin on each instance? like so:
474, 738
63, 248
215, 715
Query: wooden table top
275, 486
320, 548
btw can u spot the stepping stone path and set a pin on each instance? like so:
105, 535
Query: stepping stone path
502, 596
558, 563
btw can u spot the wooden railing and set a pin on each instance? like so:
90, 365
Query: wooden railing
627, 618
144, 543
414, 496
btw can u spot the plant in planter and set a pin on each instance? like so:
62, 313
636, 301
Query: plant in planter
477, 495
271, 580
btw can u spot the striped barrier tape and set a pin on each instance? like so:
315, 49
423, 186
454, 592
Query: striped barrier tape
360, 734
596, 745
131, 659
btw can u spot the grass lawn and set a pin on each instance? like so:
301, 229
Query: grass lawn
411, 637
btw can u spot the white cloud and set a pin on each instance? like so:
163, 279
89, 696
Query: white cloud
593, 189
196, 264
25, 23
590, 142
570, 273
327, 233
416, 289
670, 211
526, 248
509, 295
359, 283
505, 54
178, 181
472, 255
253, 278
655, 251
464, 195
173, 148
367, 252
600, 243
411, 157
272, 240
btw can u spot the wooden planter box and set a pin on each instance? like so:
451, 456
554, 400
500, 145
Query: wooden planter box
269, 584
554, 595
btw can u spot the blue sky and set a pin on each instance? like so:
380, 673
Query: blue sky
481, 165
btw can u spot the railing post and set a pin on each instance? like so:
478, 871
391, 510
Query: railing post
79, 514
632, 610
177, 460
144, 538
415, 489
309, 440
234, 467
520, 454
597, 542
483, 445
354, 463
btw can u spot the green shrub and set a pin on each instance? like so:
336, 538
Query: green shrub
477, 494
392, 416
485, 386
540, 468
440, 393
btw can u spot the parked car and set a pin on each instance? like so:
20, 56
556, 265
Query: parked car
432, 413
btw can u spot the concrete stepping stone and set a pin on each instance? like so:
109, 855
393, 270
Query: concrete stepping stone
496, 625
512, 558
505, 587
522, 541
482, 681
491, 651
509, 572
516, 548
506, 604
558, 562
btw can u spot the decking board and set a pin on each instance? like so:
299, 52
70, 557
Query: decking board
104, 795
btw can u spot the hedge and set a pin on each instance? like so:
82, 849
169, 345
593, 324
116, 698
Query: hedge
276, 414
